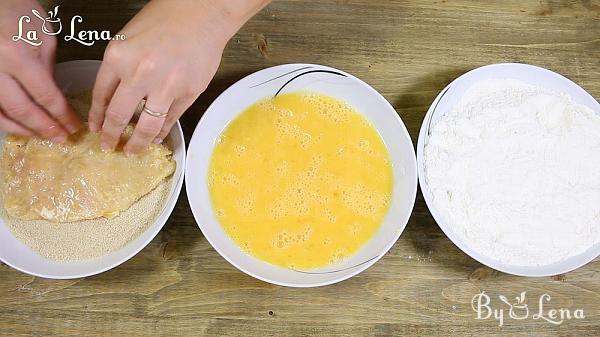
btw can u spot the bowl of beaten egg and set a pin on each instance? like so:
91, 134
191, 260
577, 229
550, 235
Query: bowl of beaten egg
301, 175
79, 243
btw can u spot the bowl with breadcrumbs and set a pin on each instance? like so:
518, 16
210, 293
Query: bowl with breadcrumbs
72, 210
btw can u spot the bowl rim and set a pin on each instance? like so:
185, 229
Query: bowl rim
195, 206
526, 271
168, 207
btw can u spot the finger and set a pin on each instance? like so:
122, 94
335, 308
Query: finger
104, 88
178, 108
9, 126
118, 114
48, 61
41, 87
48, 53
148, 127
19, 108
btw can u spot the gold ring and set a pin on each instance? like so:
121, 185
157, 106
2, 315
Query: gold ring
154, 113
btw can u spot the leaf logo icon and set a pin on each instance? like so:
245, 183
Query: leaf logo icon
521, 299
54, 13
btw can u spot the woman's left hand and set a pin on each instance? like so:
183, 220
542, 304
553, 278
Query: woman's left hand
172, 49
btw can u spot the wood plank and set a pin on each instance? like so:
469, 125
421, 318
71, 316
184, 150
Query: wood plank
408, 50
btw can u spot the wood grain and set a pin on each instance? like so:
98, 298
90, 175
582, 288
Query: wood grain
408, 50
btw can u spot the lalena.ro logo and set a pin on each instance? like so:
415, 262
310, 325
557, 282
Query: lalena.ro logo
519, 310
85, 37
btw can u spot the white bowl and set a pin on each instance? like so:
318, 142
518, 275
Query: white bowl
331, 82
447, 99
74, 77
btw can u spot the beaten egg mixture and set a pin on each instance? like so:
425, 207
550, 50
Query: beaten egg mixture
300, 181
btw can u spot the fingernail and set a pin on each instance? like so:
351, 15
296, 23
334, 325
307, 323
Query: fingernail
93, 127
105, 147
72, 128
128, 152
157, 140
59, 139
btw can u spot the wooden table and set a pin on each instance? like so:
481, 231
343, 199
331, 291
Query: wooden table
408, 50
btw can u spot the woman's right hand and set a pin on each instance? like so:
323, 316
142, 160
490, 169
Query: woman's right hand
31, 104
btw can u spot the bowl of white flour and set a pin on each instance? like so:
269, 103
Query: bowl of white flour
509, 165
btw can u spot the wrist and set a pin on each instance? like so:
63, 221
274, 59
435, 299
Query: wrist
231, 15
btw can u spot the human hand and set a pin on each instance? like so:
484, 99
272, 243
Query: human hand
171, 52
30, 102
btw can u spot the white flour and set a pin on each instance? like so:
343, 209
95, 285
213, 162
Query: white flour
514, 170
